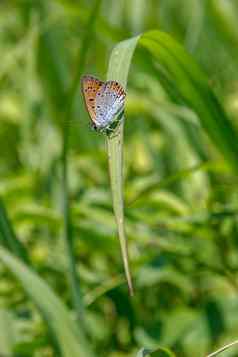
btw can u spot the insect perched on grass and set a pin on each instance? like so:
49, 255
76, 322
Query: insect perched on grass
104, 102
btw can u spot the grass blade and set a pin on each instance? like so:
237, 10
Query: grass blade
53, 70
118, 70
115, 157
70, 337
68, 232
191, 85
54, 77
189, 82
8, 237
216, 353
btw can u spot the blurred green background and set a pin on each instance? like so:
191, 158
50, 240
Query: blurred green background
181, 198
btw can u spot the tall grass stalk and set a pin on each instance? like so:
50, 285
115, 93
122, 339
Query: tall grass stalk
68, 232
118, 70
191, 84
69, 335
216, 353
115, 157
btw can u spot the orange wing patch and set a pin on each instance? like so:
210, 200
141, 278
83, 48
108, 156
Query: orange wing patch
90, 87
117, 87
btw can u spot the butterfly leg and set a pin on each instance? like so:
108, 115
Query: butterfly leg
93, 126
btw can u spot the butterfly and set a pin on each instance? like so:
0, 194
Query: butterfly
104, 102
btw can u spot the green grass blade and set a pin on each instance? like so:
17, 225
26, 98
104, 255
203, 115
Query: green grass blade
8, 237
191, 84
68, 231
52, 66
70, 337
118, 70
115, 156
54, 73
224, 348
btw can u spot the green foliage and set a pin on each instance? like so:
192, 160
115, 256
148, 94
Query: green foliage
177, 209
70, 338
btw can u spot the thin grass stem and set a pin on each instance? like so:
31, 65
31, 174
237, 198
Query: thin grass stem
115, 156
222, 349
68, 231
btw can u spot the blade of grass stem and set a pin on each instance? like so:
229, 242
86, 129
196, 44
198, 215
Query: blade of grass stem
70, 336
115, 156
182, 73
118, 70
68, 231
216, 353
8, 236
102, 289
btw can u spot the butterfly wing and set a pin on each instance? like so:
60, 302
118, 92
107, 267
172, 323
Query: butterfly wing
90, 87
110, 100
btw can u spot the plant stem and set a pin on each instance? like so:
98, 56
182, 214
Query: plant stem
115, 156
68, 232
223, 349
72, 91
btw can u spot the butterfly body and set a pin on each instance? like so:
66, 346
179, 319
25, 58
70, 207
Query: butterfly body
104, 102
